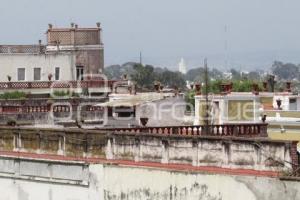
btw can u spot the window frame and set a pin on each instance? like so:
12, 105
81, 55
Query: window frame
55, 74
24, 73
79, 77
40, 73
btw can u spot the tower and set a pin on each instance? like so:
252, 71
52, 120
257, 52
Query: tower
182, 66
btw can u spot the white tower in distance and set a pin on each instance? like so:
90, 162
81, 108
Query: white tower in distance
182, 66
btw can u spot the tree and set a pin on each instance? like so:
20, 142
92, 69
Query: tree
286, 71
113, 72
172, 79
143, 75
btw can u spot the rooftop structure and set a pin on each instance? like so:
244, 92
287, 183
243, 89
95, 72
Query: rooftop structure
70, 54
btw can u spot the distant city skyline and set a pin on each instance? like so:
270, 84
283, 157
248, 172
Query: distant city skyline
232, 33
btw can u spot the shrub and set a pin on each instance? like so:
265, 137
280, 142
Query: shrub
61, 93
11, 122
13, 95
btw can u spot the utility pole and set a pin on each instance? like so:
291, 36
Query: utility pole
206, 96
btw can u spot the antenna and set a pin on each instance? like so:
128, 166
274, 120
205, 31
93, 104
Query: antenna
141, 61
226, 46
206, 95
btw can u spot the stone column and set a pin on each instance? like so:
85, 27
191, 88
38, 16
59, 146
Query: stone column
195, 153
109, 149
61, 144
137, 149
165, 152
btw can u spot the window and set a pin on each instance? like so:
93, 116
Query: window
57, 73
79, 73
21, 74
37, 74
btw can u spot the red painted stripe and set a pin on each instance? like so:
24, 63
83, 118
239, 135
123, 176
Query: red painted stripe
177, 167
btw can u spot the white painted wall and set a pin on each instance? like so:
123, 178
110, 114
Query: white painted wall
47, 63
112, 182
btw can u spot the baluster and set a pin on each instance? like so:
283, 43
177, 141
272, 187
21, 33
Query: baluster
218, 130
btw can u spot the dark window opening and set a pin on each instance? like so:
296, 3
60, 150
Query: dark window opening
57, 75
37, 74
21, 74
79, 73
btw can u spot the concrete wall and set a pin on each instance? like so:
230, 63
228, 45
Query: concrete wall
30, 180
231, 109
9, 64
91, 60
224, 152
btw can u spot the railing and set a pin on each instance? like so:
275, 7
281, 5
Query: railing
57, 84
240, 130
31, 49
46, 108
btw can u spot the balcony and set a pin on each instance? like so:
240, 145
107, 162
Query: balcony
47, 87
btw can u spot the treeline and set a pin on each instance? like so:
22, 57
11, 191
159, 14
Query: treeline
286, 71
146, 75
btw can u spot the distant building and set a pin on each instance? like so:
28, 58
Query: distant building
182, 66
68, 55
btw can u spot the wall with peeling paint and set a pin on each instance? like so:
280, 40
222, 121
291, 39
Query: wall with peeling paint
261, 154
123, 183
112, 182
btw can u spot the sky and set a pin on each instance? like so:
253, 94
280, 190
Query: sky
242, 34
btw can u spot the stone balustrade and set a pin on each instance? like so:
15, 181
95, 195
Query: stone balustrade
239, 129
226, 152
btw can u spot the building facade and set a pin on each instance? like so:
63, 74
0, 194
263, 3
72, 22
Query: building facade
69, 54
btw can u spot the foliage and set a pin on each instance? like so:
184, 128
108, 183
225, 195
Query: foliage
242, 85
61, 93
13, 95
190, 99
198, 74
116, 71
286, 71
171, 79
143, 75
11, 122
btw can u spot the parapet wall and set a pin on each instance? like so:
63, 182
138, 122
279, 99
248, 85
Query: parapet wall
24, 179
48, 110
226, 152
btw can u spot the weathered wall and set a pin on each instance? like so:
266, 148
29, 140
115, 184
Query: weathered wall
36, 180
47, 62
138, 184
225, 152
33, 114
91, 60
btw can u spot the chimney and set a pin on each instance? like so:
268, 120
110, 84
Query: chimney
226, 88
265, 86
198, 88
271, 83
288, 87
76, 26
50, 26
255, 89
98, 24
40, 46
72, 25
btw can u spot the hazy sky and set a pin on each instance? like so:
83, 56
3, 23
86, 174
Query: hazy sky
258, 31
